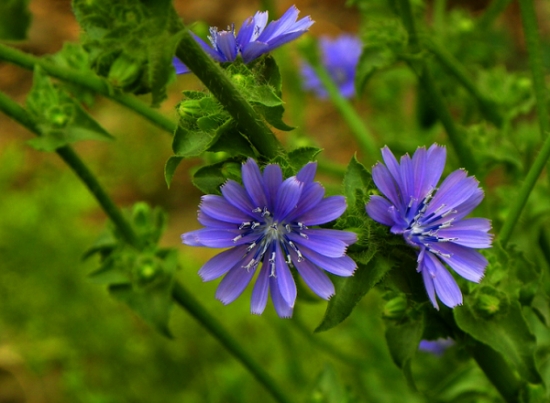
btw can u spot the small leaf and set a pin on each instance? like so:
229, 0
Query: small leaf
231, 141
15, 20
507, 333
274, 116
170, 168
192, 143
356, 179
350, 290
403, 339
208, 179
301, 156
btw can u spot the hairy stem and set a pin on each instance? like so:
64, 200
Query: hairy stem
180, 295
427, 81
90, 82
530, 28
187, 301
220, 85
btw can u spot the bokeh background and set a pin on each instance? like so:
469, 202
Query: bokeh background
64, 339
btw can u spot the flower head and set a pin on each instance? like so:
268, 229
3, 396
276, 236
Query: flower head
436, 347
267, 225
255, 38
431, 219
340, 57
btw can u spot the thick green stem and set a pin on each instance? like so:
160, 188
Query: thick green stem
87, 81
187, 301
20, 115
220, 85
535, 60
497, 370
350, 115
427, 81
182, 297
487, 106
491, 13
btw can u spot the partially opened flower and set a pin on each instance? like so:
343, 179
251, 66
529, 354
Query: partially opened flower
339, 57
267, 224
255, 38
432, 219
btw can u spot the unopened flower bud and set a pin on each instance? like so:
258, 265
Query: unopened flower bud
395, 308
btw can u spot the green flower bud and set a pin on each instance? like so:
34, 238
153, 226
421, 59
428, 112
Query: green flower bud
190, 108
488, 304
395, 308
124, 71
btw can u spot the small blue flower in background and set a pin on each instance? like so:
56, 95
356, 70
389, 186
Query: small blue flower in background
432, 219
255, 38
436, 347
340, 57
267, 222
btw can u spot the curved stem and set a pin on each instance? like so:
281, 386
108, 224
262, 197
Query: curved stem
187, 301
220, 85
182, 297
530, 27
350, 115
88, 81
427, 81
491, 13
487, 106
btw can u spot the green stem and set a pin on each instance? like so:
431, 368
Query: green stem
487, 106
497, 370
427, 81
350, 115
88, 81
187, 301
220, 85
16, 112
535, 60
439, 16
491, 13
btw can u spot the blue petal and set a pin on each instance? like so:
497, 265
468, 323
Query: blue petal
307, 173
222, 263
260, 292
211, 52
254, 50
233, 284
179, 66
378, 208
342, 266
253, 183
238, 197
446, 287
208, 221
393, 169
216, 238
323, 244
386, 183
283, 309
312, 195
219, 208
225, 42
273, 178
472, 233
325, 211
467, 262
287, 286
287, 197
315, 278
428, 279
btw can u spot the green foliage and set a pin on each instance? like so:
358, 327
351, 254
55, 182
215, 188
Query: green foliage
15, 19
328, 389
131, 42
60, 119
142, 278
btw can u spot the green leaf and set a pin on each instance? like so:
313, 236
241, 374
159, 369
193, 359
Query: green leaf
170, 168
403, 338
61, 119
232, 141
372, 59
350, 290
192, 143
506, 332
329, 389
15, 19
356, 180
301, 156
209, 178
274, 116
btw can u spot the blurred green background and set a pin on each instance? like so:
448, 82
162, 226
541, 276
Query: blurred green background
64, 339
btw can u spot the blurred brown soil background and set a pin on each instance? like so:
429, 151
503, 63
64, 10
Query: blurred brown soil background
140, 176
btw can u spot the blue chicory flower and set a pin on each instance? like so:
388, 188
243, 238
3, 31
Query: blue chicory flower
339, 57
436, 347
268, 222
431, 219
255, 38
